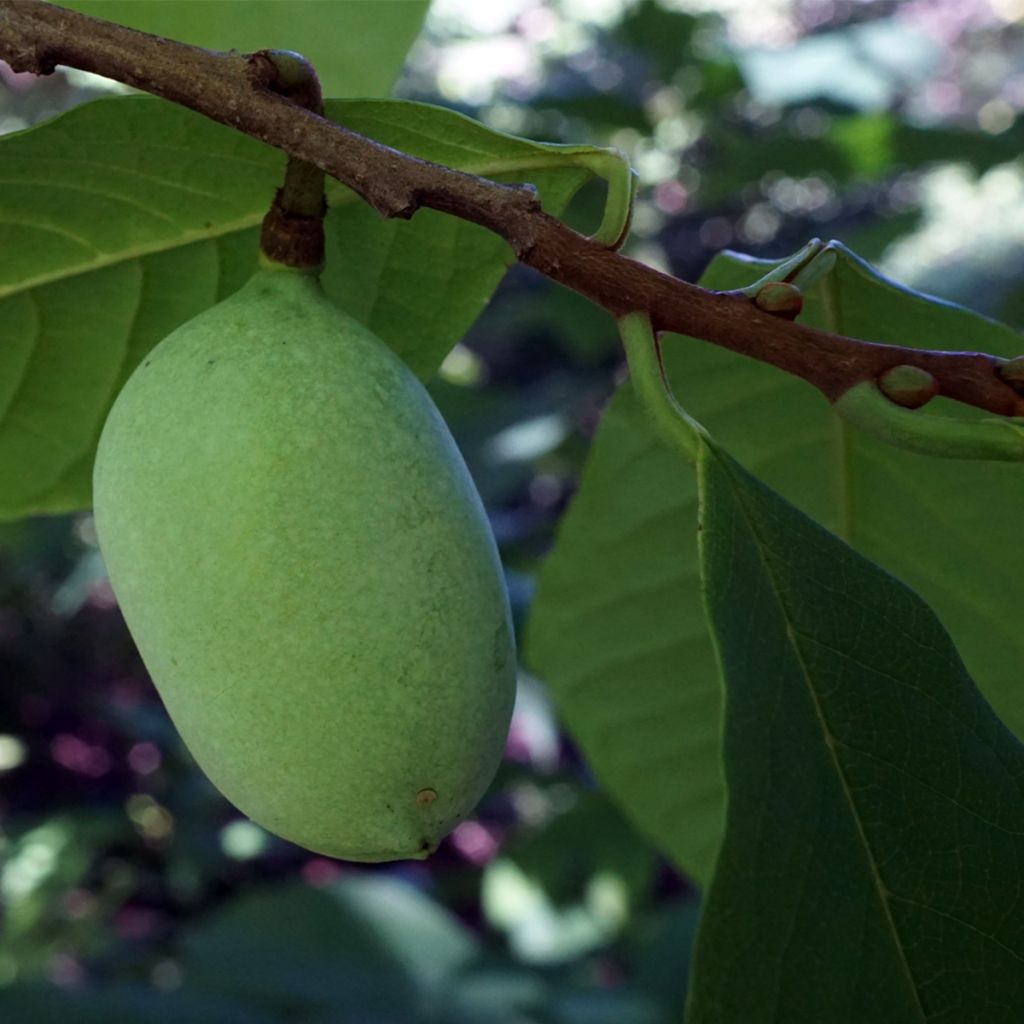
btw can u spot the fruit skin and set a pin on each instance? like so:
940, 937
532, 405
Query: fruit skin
307, 570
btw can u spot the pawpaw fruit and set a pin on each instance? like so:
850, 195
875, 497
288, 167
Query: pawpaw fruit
308, 572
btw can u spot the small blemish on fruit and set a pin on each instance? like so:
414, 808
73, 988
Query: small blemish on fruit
425, 797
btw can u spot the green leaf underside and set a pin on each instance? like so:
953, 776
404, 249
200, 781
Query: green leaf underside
874, 854
617, 630
358, 49
950, 529
126, 217
366, 948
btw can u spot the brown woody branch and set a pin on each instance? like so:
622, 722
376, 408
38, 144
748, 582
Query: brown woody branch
36, 36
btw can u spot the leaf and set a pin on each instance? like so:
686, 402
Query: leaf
617, 630
122, 1004
357, 48
950, 529
369, 944
904, 511
590, 840
126, 217
873, 860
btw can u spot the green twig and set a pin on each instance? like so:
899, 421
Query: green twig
647, 374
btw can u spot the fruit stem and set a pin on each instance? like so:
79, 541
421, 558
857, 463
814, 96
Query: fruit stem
293, 229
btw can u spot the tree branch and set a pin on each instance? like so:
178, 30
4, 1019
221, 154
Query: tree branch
36, 36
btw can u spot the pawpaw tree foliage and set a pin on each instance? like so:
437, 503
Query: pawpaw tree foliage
784, 650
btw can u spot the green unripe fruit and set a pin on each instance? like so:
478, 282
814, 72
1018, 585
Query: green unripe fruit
307, 570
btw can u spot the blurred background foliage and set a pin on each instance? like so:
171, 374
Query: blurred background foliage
130, 890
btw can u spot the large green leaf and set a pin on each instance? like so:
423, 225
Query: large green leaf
950, 529
617, 628
368, 943
370, 948
41, 1003
357, 48
873, 859
126, 217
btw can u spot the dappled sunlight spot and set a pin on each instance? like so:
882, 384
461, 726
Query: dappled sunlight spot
477, 843
533, 735
760, 224
528, 440
675, 133
799, 195
1008, 11
469, 70
531, 805
76, 755
862, 66
480, 19
538, 24
671, 197
152, 820
320, 872
749, 22
85, 531
654, 164
13, 752
607, 899
32, 861
538, 931
144, 758
996, 116
484, 50
963, 214
462, 366
10, 123
596, 12
243, 840
647, 221
86, 584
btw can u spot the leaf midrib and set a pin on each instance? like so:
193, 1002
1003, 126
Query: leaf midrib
127, 255
248, 221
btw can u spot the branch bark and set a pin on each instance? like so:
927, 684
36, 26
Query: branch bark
36, 36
